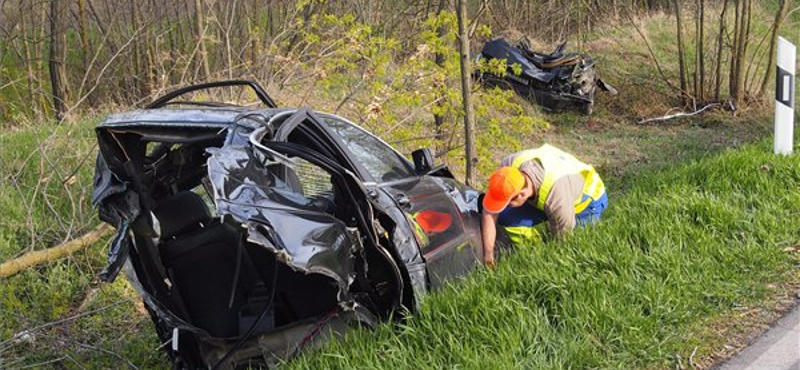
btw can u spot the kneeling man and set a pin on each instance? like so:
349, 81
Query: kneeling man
537, 185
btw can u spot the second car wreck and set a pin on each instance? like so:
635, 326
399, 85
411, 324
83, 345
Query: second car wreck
253, 234
557, 81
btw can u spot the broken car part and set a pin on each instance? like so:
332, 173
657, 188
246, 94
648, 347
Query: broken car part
253, 234
557, 81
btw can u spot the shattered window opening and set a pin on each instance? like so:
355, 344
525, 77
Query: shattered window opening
382, 163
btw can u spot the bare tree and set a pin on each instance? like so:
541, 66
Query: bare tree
700, 66
200, 30
739, 49
466, 90
776, 25
720, 48
82, 32
438, 118
57, 56
681, 55
181, 42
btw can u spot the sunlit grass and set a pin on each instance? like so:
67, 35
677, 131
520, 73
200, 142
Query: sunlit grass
679, 247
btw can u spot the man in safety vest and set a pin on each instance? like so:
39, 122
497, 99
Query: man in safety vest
537, 185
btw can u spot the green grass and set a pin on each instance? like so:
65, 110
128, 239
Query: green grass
681, 246
45, 185
620, 150
74, 318
45, 196
694, 231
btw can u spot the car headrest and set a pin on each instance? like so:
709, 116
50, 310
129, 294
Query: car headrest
181, 213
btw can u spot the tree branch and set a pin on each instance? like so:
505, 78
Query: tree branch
12, 267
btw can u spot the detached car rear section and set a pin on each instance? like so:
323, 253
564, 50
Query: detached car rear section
252, 235
557, 81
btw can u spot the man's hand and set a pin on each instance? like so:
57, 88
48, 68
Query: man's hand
488, 233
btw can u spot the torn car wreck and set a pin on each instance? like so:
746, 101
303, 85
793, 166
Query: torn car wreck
557, 81
253, 234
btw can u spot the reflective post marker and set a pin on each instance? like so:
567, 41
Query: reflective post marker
784, 96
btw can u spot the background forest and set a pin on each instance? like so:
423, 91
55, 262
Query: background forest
393, 67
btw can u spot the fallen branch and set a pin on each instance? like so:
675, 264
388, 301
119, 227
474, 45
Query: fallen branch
34, 258
681, 114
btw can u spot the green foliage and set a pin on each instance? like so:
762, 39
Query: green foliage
620, 295
396, 90
679, 247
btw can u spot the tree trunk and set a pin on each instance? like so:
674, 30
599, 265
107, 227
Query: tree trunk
57, 56
26, 51
200, 22
734, 47
741, 52
438, 119
33, 258
681, 58
466, 90
701, 64
82, 31
773, 42
41, 53
137, 51
720, 41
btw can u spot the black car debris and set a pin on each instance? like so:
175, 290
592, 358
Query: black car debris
253, 234
557, 81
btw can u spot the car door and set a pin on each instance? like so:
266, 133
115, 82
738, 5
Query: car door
432, 206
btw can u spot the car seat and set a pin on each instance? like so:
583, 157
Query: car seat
208, 271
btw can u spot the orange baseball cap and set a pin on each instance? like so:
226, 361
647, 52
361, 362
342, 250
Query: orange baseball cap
504, 184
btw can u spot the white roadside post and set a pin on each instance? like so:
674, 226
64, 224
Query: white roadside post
784, 96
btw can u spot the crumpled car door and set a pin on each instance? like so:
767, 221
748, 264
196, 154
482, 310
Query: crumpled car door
436, 208
448, 235
299, 225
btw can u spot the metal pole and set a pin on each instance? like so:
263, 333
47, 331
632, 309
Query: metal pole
784, 96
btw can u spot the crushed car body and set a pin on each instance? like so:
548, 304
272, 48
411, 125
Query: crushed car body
254, 234
557, 81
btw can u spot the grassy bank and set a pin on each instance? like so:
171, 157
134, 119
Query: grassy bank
105, 323
680, 252
679, 247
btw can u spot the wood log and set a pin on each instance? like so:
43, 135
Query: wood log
29, 259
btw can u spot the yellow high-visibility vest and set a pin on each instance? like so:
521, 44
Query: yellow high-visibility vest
557, 164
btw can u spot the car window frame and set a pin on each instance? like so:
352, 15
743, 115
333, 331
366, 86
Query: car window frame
295, 121
408, 166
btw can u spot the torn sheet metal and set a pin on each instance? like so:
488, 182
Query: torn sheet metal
116, 206
279, 219
556, 81
244, 158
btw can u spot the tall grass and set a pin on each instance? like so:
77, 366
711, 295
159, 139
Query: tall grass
681, 246
45, 198
45, 185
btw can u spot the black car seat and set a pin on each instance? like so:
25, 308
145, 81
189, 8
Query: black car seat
202, 257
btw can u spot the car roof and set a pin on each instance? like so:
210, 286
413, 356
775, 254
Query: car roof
184, 117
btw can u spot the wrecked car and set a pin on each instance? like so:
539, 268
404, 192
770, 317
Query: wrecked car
252, 234
557, 81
